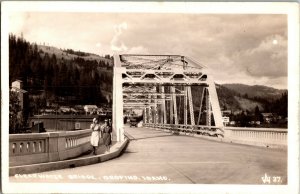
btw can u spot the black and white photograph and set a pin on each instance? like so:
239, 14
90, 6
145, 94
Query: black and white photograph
149, 97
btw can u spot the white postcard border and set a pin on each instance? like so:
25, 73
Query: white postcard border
291, 9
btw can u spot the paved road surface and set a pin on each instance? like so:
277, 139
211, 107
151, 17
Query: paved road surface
154, 156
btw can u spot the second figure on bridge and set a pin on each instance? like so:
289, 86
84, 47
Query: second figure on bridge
107, 135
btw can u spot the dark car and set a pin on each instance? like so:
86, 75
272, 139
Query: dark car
133, 123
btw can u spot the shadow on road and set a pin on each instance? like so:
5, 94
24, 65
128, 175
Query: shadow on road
150, 137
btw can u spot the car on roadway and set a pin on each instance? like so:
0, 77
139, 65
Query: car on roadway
133, 122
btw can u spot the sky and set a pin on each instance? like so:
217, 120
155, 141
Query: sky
237, 48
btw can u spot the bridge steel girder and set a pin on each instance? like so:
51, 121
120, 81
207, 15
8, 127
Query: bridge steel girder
192, 116
208, 109
185, 105
145, 115
137, 75
174, 105
200, 108
150, 110
155, 115
215, 106
171, 111
163, 106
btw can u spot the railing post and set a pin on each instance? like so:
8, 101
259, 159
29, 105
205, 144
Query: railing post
53, 147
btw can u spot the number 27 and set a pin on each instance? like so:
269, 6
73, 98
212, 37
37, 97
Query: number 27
276, 179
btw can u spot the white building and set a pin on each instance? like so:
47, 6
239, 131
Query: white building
17, 86
89, 109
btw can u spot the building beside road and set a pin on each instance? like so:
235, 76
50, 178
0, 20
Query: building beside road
17, 86
90, 109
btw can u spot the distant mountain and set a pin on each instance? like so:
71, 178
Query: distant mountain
232, 100
255, 91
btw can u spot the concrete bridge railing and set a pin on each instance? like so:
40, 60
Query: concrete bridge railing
267, 137
190, 129
47, 147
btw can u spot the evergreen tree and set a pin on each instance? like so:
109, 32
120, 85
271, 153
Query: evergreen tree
15, 116
256, 111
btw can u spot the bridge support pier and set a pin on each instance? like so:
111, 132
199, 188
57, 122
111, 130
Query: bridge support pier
117, 116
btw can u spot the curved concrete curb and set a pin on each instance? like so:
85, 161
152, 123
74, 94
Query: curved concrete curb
116, 151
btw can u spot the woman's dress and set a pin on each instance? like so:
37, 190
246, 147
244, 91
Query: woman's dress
95, 134
107, 136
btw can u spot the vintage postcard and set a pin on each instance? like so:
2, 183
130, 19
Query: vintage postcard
149, 97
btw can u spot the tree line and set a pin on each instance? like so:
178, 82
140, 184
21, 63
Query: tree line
53, 79
278, 106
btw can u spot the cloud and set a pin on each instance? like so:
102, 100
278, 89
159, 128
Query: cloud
19, 20
138, 50
116, 44
267, 59
236, 47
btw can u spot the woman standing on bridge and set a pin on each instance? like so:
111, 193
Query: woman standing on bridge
95, 127
106, 135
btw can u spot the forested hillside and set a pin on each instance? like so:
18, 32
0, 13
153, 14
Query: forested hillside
57, 77
247, 97
256, 91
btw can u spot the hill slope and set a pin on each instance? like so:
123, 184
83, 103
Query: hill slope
228, 100
232, 100
68, 56
81, 58
256, 91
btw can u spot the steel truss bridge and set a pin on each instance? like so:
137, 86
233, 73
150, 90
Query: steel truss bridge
175, 94
165, 88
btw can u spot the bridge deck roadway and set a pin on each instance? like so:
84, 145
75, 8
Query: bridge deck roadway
154, 156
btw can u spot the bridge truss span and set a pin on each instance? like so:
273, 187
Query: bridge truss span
174, 92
